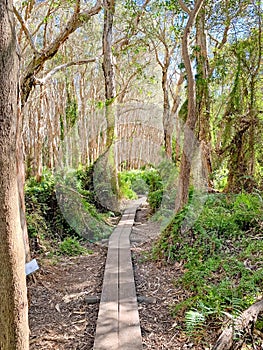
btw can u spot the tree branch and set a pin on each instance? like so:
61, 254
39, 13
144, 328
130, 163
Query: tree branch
184, 7
121, 94
245, 322
124, 41
36, 64
42, 81
25, 30
77, 19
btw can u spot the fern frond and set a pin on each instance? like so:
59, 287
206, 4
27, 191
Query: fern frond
194, 320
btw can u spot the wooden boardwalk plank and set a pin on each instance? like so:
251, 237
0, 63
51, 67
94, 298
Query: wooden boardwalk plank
118, 325
108, 327
129, 323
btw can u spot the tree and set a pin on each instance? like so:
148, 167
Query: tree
162, 26
109, 79
14, 333
237, 67
242, 155
189, 131
203, 97
35, 66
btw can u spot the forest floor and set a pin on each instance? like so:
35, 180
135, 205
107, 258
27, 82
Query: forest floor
62, 319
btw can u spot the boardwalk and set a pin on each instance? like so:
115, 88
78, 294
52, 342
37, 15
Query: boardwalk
118, 325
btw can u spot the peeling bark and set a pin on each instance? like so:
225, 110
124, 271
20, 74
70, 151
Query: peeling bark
189, 131
14, 332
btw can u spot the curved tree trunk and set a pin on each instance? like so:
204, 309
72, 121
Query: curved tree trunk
14, 334
108, 158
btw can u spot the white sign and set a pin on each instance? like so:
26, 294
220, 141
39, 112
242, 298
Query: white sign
31, 267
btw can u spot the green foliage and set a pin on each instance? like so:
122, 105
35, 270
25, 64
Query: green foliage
44, 216
193, 321
60, 207
155, 199
139, 182
71, 112
71, 246
162, 193
237, 126
125, 185
221, 252
155, 184
150, 182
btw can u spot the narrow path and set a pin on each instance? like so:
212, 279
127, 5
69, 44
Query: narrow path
118, 325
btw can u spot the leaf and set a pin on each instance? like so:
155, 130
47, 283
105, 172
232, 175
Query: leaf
193, 320
57, 308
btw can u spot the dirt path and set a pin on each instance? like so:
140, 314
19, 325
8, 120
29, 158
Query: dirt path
60, 318
155, 284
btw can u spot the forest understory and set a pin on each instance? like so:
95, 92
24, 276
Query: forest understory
63, 293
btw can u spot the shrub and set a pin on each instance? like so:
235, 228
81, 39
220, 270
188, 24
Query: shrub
221, 255
155, 199
71, 246
139, 182
125, 186
59, 207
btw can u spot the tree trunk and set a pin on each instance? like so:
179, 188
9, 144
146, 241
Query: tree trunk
203, 98
189, 131
14, 334
167, 123
110, 94
175, 116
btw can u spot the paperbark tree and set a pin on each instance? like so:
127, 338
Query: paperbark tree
29, 80
203, 98
110, 93
167, 120
246, 126
36, 64
189, 131
106, 164
14, 333
162, 27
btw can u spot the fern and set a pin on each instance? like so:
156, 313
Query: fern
194, 320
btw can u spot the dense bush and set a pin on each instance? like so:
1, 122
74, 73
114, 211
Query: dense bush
59, 206
220, 251
44, 217
158, 184
139, 182
125, 185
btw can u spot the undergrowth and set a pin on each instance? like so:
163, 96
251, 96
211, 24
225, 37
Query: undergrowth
157, 183
221, 253
60, 208
71, 246
140, 182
